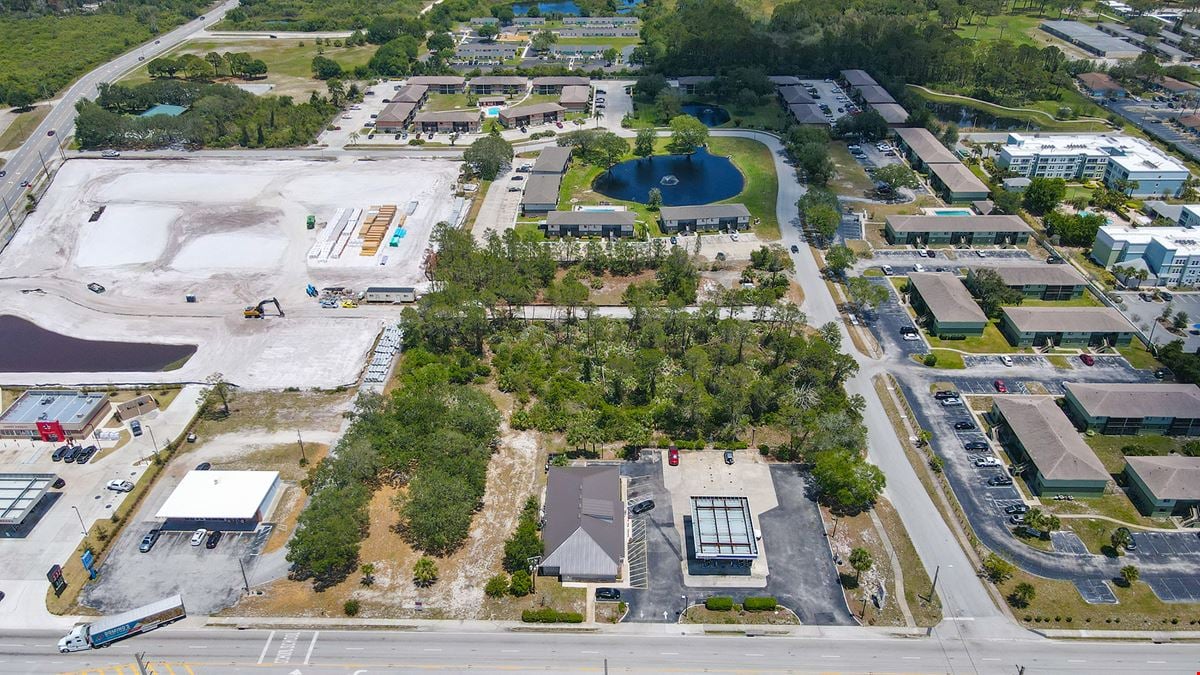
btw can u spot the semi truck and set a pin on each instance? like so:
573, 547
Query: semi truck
106, 630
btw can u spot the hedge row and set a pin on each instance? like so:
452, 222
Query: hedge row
548, 615
719, 603
700, 445
759, 604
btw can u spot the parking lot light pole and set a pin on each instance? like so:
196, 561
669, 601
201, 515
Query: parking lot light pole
245, 581
153, 440
82, 527
533, 562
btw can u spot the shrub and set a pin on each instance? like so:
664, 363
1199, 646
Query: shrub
719, 603
760, 604
350, 607
930, 359
521, 584
936, 464
764, 449
549, 615
497, 586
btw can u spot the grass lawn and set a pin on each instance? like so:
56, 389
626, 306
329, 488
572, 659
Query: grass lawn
1013, 27
948, 359
20, 128
1058, 605
1060, 362
289, 61
1080, 258
762, 185
851, 178
1139, 357
617, 43
437, 102
991, 342
1108, 448
529, 232
769, 116
1074, 191
1085, 300
1029, 113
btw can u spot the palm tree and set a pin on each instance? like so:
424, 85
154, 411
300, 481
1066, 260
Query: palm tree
425, 572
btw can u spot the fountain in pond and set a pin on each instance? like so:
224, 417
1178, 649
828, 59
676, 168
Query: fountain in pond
698, 178
669, 179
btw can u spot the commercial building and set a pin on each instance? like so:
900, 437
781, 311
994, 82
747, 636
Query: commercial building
575, 98
541, 193
135, 407
553, 159
555, 84
964, 230
220, 500
509, 85
1164, 486
440, 84
1100, 84
1110, 158
1065, 327
1040, 282
528, 115
722, 529
584, 534
392, 294
1120, 409
1035, 431
1091, 40
53, 415
449, 121
709, 217
1156, 45
395, 117
20, 494
949, 309
590, 223
1170, 255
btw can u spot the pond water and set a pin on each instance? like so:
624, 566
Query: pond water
711, 115
568, 7
699, 178
29, 348
965, 116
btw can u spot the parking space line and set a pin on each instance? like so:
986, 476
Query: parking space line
312, 644
267, 646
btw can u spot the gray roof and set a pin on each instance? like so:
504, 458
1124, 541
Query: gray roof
437, 80
1114, 399
926, 146
706, 211
395, 112
19, 493
807, 113
561, 81
591, 218
1063, 319
958, 178
502, 80
1050, 439
534, 109
874, 94
410, 93
1101, 44
585, 521
892, 113
723, 529
983, 206
1037, 275
552, 159
957, 224
62, 405
574, 93
795, 94
1172, 477
694, 79
448, 116
948, 300
1159, 209
542, 188
858, 78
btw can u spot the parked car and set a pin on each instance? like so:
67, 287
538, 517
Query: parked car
58, 484
203, 466
119, 486
795, 248
214, 538
608, 594
1016, 519
1088, 359
641, 507
149, 540
198, 536
1000, 386
987, 461
50, 133
1006, 360
1016, 508
887, 270
673, 456
976, 445
964, 425
72, 454
59, 453
945, 393
110, 154
910, 337
1055, 260
918, 267
191, 437
951, 402
728, 457
95, 288
135, 427
86, 454
517, 178
1001, 480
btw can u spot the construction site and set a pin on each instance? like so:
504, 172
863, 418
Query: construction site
185, 251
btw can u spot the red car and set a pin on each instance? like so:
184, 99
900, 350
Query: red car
1087, 359
673, 456
999, 384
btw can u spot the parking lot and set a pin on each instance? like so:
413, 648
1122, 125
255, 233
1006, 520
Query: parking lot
1144, 314
1154, 122
887, 322
802, 574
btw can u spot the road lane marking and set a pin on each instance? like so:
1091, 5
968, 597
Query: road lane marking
1076, 661
830, 656
312, 644
197, 646
1158, 662
911, 658
582, 652
11, 645
751, 654
668, 653
431, 649
355, 649
267, 646
518, 651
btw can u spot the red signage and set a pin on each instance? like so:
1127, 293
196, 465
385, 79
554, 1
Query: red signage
51, 432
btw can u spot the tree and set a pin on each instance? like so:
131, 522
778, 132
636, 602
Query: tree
987, 285
488, 156
610, 148
395, 58
839, 258
425, 572
368, 574
1023, 594
254, 68
997, 569
1074, 229
487, 32
861, 561
1181, 320
648, 87
521, 583
897, 176
824, 219
1129, 574
543, 40
654, 199
1044, 194
219, 390
678, 277
22, 97
746, 100
865, 294
610, 55
1120, 539
868, 125
440, 42
687, 134
525, 542
496, 587
846, 480
812, 159
643, 145
325, 68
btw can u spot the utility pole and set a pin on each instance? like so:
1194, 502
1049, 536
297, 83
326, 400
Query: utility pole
933, 588
245, 581
141, 665
303, 459
153, 440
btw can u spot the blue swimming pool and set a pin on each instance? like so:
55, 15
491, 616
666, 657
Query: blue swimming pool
951, 212
493, 111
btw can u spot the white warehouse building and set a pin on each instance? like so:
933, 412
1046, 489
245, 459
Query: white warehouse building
1095, 157
220, 500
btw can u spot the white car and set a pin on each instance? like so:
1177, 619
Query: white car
110, 154
1006, 360
198, 536
887, 270
987, 461
119, 486
951, 402
910, 337
918, 267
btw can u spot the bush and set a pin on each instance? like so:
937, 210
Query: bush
930, 359
521, 584
549, 615
497, 586
764, 449
719, 603
936, 464
760, 604
350, 607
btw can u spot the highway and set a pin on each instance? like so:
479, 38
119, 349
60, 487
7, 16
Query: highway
40, 149
659, 649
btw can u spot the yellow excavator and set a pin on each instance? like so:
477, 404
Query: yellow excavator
256, 311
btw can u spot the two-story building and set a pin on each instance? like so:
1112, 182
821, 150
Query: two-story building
590, 223
508, 85
723, 217
1126, 409
964, 230
1040, 438
945, 304
1039, 282
1065, 327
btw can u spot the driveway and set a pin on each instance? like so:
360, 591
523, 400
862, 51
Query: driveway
886, 323
500, 206
1144, 315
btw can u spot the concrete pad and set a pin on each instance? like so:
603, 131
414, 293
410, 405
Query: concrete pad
126, 234
229, 251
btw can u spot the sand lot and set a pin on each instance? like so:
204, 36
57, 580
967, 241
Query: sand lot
232, 232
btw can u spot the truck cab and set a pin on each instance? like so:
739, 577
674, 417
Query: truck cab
75, 641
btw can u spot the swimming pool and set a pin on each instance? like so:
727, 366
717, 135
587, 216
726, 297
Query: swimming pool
493, 111
951, 212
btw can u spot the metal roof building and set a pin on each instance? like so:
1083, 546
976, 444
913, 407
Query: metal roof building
20, 493
220, 500
53, 415
584, 533
722, 529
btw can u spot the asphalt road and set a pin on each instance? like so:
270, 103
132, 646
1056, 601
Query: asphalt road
40, 150
665, 649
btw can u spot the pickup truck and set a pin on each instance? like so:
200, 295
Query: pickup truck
106, 630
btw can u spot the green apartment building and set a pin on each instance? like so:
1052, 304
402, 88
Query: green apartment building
1040, 282
1036, 432
960, 230
1120, 409
1164, 486
947, 306
1065, 327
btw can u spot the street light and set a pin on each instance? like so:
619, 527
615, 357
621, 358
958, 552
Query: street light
154, 441
81, 525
